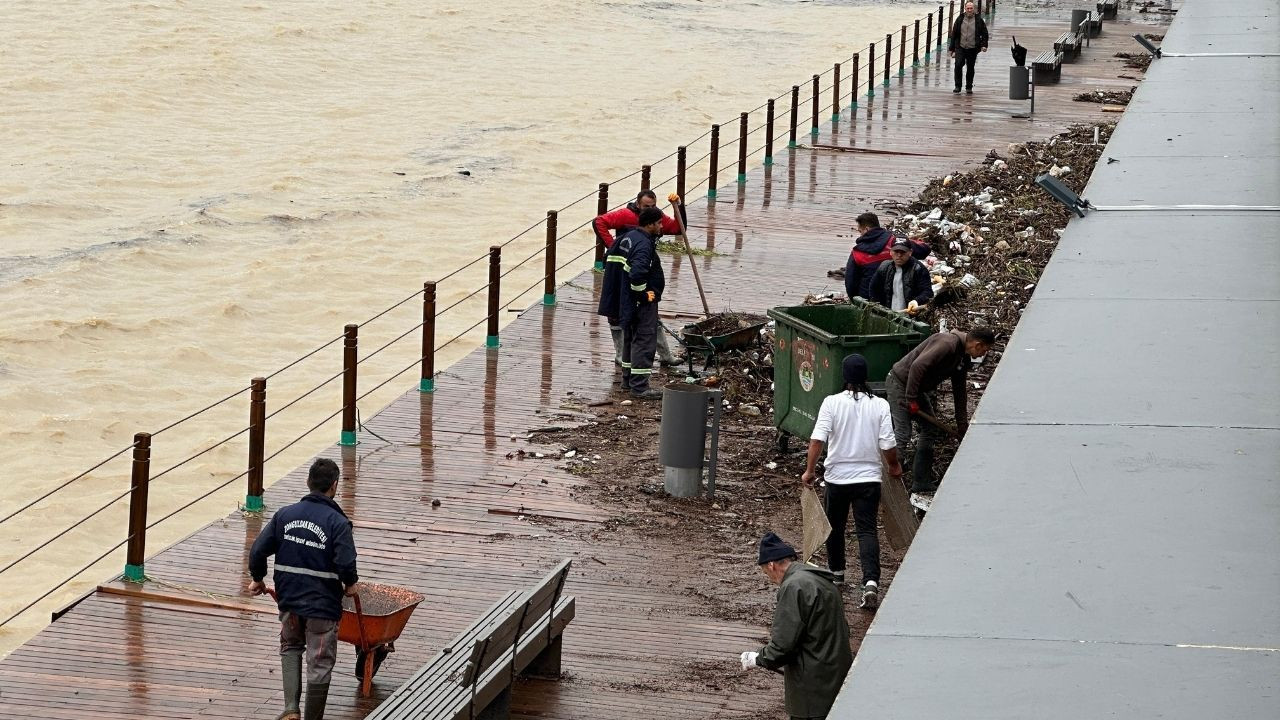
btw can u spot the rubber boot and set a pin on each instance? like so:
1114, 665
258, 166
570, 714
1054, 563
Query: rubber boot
317, 698
616, 332
665, 357
291, 674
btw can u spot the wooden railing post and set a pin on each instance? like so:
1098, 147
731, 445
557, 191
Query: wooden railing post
871, 70
602, 207
714, 172
814, 130
888, 56
682, 159
495, 287
768, 134
795, 114
943, 29
645, 172
928, 40
915, 47
951, 14
902, 52
549, 273
742, 149
350, 345
853, 80
137, 539
835, 93
427, 383
257, 443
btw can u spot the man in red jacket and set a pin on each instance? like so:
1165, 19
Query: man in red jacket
615, 224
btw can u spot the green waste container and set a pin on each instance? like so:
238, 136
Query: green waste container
810, 344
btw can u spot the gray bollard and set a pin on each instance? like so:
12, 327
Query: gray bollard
1019, 79
682, 438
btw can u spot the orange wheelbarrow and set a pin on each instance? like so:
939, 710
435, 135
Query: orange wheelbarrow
372, 620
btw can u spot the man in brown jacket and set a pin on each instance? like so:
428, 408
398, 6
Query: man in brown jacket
910, 388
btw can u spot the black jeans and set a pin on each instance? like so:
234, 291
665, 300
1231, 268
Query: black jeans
965, 60
864, 498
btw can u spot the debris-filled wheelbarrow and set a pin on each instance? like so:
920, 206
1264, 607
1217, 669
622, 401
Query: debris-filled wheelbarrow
716, 334
372, 620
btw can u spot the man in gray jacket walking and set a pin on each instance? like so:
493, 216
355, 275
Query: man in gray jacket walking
809, 640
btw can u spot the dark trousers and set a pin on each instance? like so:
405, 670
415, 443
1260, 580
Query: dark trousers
864, 499
966, 58
639, 343
927, 436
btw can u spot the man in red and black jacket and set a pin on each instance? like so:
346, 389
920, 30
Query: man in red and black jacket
616, 223
869, 250
625, 219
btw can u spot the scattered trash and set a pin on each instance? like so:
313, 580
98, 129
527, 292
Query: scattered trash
751, 410
435, 502
625, 403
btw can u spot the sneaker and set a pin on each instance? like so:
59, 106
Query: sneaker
649, 394
968, 91
839, 579
870, 596
921, 501
956, 91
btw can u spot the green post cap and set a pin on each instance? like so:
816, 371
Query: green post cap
711, 193
253, 503
348, 438
134, 574
427, 385
768, 160
491, 341
599, 266
742, 178
548, 298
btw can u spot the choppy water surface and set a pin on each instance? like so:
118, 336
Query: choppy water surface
195, 193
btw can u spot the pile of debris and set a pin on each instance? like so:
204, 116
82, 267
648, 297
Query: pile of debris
1107, 97
1137, 61
992, 231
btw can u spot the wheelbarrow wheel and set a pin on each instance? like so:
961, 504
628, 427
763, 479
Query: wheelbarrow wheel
379, 654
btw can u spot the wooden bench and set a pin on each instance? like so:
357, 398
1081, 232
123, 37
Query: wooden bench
1069, 44
1046, 68
1107, 9
471, 677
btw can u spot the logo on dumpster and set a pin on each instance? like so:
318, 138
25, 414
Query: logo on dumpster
804, 353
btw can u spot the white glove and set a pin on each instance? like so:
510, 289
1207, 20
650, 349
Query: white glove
749, 660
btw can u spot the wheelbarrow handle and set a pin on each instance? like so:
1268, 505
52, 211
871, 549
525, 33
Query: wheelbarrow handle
364, 643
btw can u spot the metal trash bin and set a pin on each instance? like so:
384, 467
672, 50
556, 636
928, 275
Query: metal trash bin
1077, 17
682, 438
1019, 82
810, 344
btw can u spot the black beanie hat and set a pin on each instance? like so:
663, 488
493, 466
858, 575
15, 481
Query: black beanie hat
855, 370
648, 216
773, 548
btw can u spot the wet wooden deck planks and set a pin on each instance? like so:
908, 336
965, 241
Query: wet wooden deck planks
503, 522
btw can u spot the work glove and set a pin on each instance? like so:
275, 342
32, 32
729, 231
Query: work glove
749, 660
913, 407
648, 297
673, 198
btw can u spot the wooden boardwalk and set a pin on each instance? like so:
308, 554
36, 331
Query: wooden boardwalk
183, 647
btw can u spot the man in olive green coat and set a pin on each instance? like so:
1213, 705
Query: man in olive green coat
809, 641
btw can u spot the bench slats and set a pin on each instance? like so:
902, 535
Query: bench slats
482, 662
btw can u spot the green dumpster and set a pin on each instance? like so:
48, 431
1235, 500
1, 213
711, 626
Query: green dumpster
810, 344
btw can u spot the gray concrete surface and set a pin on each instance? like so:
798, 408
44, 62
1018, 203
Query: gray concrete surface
1105, 542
